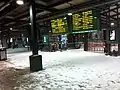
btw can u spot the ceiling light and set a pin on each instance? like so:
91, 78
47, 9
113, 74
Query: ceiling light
64, 17
112, 24
69, 14
11, 28
20, 2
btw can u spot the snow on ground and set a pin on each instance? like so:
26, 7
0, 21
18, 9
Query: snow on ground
68, 70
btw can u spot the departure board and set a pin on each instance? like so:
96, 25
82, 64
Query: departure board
84, 21
59, 25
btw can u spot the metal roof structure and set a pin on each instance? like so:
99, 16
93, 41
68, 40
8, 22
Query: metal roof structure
16, 16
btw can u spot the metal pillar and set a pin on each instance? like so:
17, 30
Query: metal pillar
109, 27
0, 38
86, 42
33, 28
35, 59
118, 27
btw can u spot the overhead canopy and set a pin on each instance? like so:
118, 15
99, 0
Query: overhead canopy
16, 16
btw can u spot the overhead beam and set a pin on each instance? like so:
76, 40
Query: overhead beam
4, 5
42, 7
54, 3
4, 0
11, 7
106, 11
109, 16
81, 7
115, 14
84, 6
41, 2
115, 11
15, 25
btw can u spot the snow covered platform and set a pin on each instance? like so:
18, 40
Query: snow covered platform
67, 70
17, 50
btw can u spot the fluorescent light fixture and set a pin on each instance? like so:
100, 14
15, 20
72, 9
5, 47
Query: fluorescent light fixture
20, 2
69, 14
112, 24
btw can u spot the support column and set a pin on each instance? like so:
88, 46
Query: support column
109, 27
35, 59
4, 41
33, 28
0, 38
118, 26
86, 42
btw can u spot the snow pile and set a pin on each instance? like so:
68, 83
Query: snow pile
70, 70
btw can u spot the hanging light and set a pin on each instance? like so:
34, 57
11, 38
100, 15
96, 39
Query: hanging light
29, 23
11, 28
64, 17
112, 24
69, 14
20, 2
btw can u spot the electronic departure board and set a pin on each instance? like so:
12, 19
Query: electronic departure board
84, 21
59, 25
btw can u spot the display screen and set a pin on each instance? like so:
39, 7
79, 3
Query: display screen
59, 25
112, 35
83, 20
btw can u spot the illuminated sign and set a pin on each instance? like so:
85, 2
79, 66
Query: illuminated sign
59, 25
112, 35
84, 21
45, 39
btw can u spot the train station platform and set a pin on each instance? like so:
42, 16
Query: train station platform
66, 70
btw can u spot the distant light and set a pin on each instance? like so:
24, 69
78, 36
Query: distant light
27, 39
11, 28
95, 17
112, 24
64, 17
69, 14
45, 39
29, 23
11, 40
21, 34
20, 2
